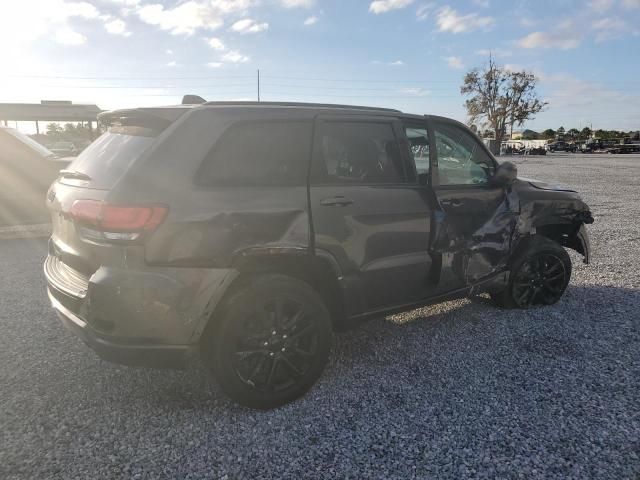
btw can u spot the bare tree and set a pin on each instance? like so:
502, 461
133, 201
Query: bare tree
500, 97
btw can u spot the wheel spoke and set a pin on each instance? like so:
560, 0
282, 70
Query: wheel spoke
247, 353
272, 371
557, 276
257, 369
555, 266
295, 318
303, 353
303, 331
521, 298
287, 361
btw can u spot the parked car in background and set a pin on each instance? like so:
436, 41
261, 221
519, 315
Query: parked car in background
535, 151
250, 231
560, 146
64, 149
27, 169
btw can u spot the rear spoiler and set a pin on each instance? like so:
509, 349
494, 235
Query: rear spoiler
153, 118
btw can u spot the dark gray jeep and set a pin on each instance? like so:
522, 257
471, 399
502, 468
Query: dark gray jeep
249, 232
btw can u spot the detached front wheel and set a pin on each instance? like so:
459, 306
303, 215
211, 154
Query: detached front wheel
539, 276
271, 343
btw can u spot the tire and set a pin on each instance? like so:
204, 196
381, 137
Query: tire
271, 341
539, 275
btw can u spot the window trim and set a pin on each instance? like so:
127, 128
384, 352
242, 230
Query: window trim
433, 122
304, 178
408, 121
392, 121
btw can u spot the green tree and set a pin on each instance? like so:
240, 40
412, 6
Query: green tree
560, 131
549, 134
585, 133
500, 97
573, 132
53, 129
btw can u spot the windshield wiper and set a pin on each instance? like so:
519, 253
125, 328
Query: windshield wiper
75, 174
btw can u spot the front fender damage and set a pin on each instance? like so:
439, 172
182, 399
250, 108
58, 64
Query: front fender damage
560, 215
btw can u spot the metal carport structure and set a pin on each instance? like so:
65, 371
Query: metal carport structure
51, 111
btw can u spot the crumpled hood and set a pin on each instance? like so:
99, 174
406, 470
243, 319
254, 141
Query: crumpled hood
547, 186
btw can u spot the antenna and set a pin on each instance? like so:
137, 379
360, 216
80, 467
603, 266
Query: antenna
258, 84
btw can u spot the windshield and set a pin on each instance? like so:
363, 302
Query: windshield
111, 155
31, 143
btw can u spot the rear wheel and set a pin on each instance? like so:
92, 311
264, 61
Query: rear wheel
271, 342
539, 276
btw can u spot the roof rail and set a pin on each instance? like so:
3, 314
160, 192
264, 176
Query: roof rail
300, 104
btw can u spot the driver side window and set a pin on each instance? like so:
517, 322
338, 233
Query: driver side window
461, 159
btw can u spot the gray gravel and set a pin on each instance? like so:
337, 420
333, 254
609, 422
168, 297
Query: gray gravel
458, 390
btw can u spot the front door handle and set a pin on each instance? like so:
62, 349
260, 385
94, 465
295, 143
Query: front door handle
454, 202
338, 201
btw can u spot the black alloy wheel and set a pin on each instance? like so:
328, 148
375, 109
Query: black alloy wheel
541, 280
540, 274
275, 347
269, 341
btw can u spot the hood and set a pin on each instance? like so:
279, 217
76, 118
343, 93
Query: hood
557, 187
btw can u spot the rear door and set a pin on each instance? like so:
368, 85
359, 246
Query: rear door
368, 210
474, 234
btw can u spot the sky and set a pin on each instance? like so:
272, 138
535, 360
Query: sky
406, 54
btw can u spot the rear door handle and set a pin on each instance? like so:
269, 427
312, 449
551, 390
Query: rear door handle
338, 201
454, 202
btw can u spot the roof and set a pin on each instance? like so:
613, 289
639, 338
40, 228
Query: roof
49, 111
301, 104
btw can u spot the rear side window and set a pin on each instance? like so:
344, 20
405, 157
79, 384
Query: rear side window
111, 155
357, 153
260, 153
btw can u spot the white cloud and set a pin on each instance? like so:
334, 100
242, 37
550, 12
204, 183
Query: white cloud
248, 25
397, 63
609, 28
172, 63
169, 51
631, 4
117, 27
600, 5
216, 44
189, 16
312, 20
424, 10
383, 6
214, 64
563, 40
67, 36
482, 3
297, 3
25, 21
450, 21
455, 62
234, 56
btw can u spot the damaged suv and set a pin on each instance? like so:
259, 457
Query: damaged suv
248, 232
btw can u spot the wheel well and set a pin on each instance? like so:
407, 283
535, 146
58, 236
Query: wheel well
314, 270
558, 232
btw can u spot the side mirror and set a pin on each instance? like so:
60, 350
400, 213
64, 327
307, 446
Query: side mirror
506, 174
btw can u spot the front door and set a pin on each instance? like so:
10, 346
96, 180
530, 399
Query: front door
474, 232
369, 212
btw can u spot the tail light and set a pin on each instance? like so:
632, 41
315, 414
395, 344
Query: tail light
102, 221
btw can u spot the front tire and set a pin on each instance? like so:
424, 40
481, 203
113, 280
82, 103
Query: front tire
539, 276
271, 341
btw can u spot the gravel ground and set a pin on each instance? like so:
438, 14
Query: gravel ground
457, 390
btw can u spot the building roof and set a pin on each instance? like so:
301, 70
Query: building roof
49, 111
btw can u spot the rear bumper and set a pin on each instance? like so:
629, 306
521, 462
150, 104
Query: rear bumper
118, 351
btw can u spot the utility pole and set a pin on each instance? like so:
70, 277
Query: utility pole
258, 84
